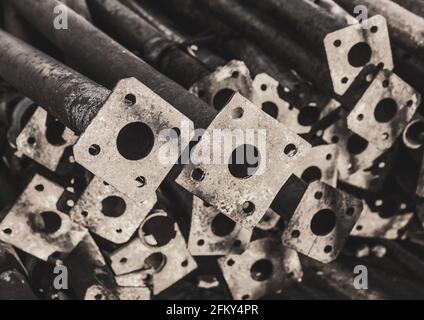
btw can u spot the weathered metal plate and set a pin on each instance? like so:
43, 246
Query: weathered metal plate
387, 106
109, 213
320, 165
176, 260
216, 88
265, 96
355, 153
348, 49
322, 222
372, 225
265, 267
34, 224
33, 141
212, 233
246, 199
131, 113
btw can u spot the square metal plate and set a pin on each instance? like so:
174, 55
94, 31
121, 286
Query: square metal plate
387, 106
128, 154
322, 222
34, 224
109, 213
245, 199
355, 41
33, 142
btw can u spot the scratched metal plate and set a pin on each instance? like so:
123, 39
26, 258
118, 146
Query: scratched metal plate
322, 222
19, 226
88, 212
115, 115
242, 279
258, 190
338, 44
372, 225
355, 153
389, 92
33, 142
265, 96
178, 261
234, 76
212, 233
321, 165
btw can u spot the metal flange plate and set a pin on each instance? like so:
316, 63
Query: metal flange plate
34, 224
265, 96
372, 225
247, 197
212, 233
321, 165
175, 260
33, 141
216, 87
355, 152
387, 106
109, 213
131, 122
352, 48
322, 222
265, 267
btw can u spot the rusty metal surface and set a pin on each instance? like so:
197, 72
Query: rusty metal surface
38, 142
340, 44
281, 143
108, 213
147, 113
318, 227
34, 224
175, 260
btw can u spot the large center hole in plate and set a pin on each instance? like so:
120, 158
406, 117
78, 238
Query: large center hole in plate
222, 225
323, 222
261, 270
359, 55
308, 116
271, 109
385, 110
135, 141
158, 231
222, 97
356, 144
155, 261
54, 133
244, 161
46, 222
113, 206
311, 174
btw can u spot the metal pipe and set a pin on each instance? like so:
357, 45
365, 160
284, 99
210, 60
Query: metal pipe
156, 19
63, 92
272, 39
135, 33
305, 17
415, 6
172, 32
107, 62
300, 92
79, 6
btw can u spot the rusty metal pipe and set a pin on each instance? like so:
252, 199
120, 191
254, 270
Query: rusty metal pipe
107, 62
67, 95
